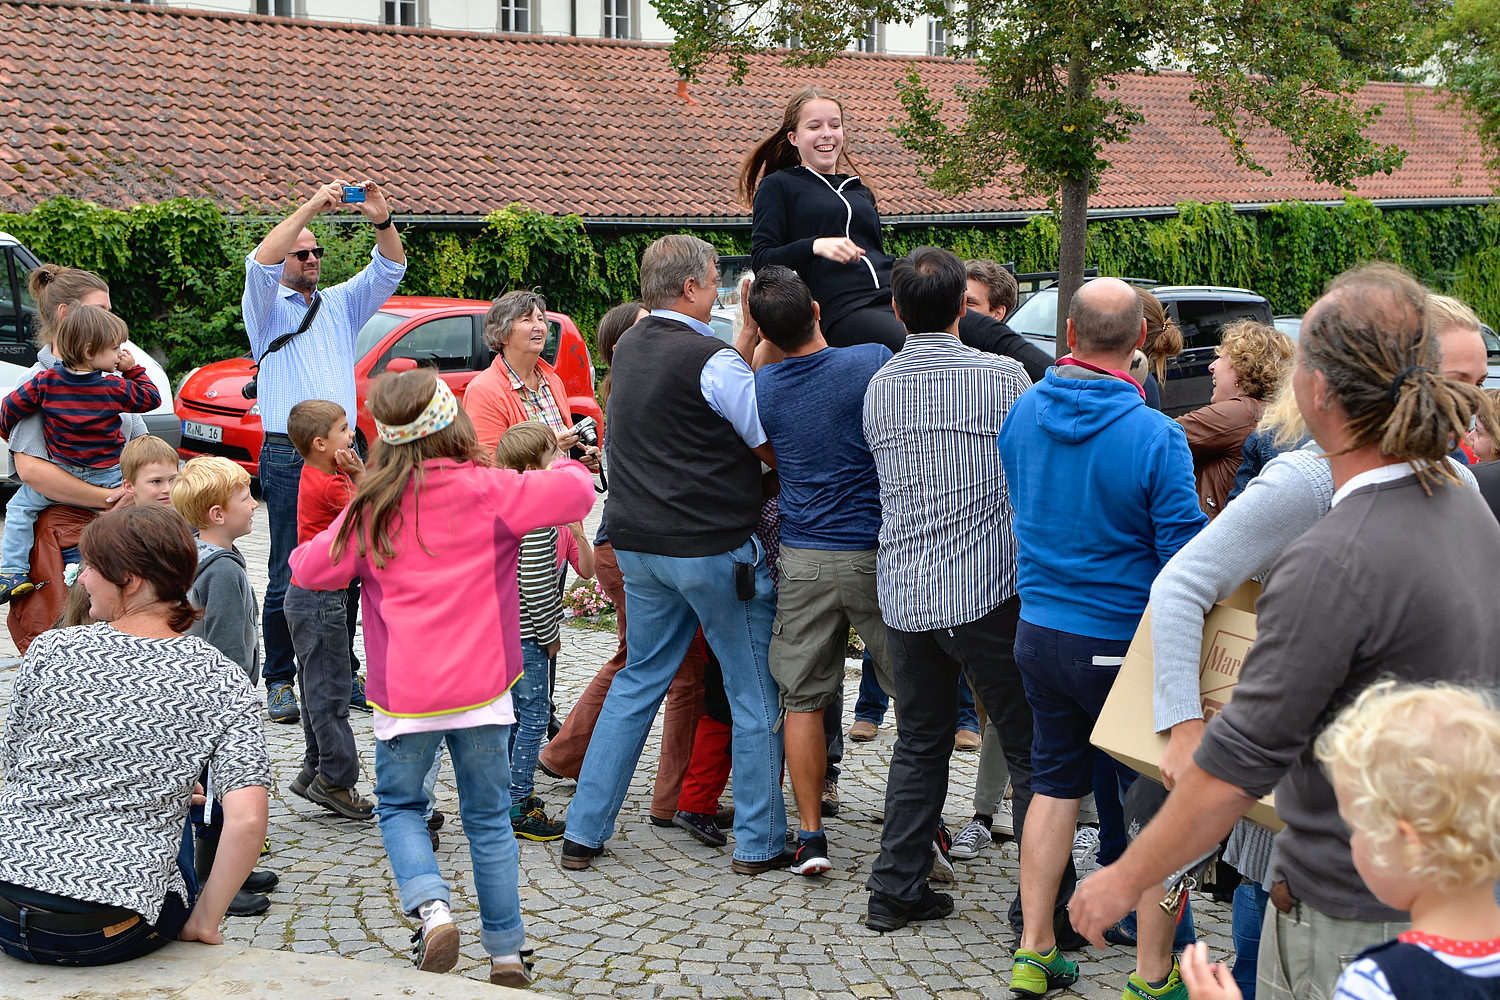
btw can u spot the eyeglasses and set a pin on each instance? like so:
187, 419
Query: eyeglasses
301, 255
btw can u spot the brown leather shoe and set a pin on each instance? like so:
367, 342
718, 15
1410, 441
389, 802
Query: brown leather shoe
781, 861
862, 731
345, 801
967, 739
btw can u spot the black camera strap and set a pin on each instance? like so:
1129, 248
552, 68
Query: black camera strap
286, 338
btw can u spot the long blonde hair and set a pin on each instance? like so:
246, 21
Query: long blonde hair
375, 512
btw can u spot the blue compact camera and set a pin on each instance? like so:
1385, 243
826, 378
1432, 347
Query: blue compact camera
354, 192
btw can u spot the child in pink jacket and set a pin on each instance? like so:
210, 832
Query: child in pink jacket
435, 535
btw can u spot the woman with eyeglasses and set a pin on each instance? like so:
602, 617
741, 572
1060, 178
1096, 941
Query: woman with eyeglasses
519, 384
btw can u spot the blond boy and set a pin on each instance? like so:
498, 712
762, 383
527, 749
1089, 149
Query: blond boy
148, 466
213, 495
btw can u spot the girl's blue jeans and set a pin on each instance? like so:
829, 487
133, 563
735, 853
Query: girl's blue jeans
481, 769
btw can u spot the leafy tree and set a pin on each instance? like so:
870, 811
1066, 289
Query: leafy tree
1044, 106
1469, 54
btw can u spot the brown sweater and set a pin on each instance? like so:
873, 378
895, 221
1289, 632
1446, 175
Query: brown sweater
1216, 433
1384, 586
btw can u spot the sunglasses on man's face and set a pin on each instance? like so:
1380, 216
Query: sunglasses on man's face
301, 255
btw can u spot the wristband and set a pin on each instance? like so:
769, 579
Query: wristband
389, 221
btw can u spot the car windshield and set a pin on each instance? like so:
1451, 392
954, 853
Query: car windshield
374, 331
1037, 316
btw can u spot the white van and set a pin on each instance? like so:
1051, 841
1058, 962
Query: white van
18, 350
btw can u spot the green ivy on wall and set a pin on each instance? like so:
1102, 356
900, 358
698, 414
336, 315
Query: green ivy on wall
176, 268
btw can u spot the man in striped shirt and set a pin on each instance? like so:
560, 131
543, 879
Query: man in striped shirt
946, 568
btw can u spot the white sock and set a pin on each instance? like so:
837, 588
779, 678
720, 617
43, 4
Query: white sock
434, 913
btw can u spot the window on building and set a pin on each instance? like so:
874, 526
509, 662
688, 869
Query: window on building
617, 19
402, 13
937, 37
515, 15
869, 36
792, 40
281, 8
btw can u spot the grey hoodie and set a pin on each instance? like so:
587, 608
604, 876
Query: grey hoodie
222, 589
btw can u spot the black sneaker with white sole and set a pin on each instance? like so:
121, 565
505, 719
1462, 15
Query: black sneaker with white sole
812, 856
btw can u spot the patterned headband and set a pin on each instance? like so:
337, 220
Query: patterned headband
439, 413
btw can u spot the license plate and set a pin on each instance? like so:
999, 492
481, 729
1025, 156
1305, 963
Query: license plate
203, 432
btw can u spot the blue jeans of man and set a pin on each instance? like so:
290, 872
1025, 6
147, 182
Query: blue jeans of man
668, 597
481, 769
21, 937
280, 475
24, 506
531, 700
317, 621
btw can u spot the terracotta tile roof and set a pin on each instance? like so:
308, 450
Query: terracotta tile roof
122, 103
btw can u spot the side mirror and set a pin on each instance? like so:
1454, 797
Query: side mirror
397, 365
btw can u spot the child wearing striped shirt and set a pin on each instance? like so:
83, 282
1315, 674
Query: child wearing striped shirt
80, 410
1416, 770
524, 447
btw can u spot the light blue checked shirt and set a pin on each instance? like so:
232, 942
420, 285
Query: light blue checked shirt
319, 363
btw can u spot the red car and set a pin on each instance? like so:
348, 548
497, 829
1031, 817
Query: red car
447, 333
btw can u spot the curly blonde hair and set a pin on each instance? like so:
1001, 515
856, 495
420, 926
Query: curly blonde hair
1428, 755
1260, 355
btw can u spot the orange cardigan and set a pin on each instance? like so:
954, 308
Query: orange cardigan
493, 405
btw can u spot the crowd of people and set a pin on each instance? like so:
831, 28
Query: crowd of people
875, 451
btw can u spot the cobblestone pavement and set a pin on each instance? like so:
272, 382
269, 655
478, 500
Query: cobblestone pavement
662, 916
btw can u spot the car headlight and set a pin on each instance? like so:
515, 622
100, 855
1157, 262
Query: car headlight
254, 410
188, 376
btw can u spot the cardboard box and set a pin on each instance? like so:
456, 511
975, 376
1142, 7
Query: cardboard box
1125, 727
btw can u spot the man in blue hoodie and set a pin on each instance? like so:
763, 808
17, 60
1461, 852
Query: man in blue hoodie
1103, 492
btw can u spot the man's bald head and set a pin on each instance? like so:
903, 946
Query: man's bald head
1106, 318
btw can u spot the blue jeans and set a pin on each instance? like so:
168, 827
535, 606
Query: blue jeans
532, 702
482, 772
1248, 916
668, 597
24, 940
873, 701
22, 510
280, 474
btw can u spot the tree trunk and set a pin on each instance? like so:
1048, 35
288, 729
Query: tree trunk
1073, 240
1074, 217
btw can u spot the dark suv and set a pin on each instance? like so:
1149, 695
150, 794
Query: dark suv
1200, 312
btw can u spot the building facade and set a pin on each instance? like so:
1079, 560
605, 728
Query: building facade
634, 20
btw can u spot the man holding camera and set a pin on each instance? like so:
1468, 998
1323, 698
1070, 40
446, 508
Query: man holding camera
303, 342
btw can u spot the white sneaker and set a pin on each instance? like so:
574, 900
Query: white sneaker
972, 839
1005, 821
942, 863
1086, 850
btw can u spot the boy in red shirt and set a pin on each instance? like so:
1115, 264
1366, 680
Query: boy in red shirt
318, 619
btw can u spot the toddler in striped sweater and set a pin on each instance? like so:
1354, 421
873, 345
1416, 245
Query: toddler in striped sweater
80, 407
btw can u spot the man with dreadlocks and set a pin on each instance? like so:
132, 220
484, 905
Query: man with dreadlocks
1351, 600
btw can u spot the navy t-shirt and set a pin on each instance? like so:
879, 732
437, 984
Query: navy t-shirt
813, 411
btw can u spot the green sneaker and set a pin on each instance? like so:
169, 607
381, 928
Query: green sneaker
1173, 989
528, 820
1033, 975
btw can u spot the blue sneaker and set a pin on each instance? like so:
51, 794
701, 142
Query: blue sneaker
281, 703
357, 702
13, 585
